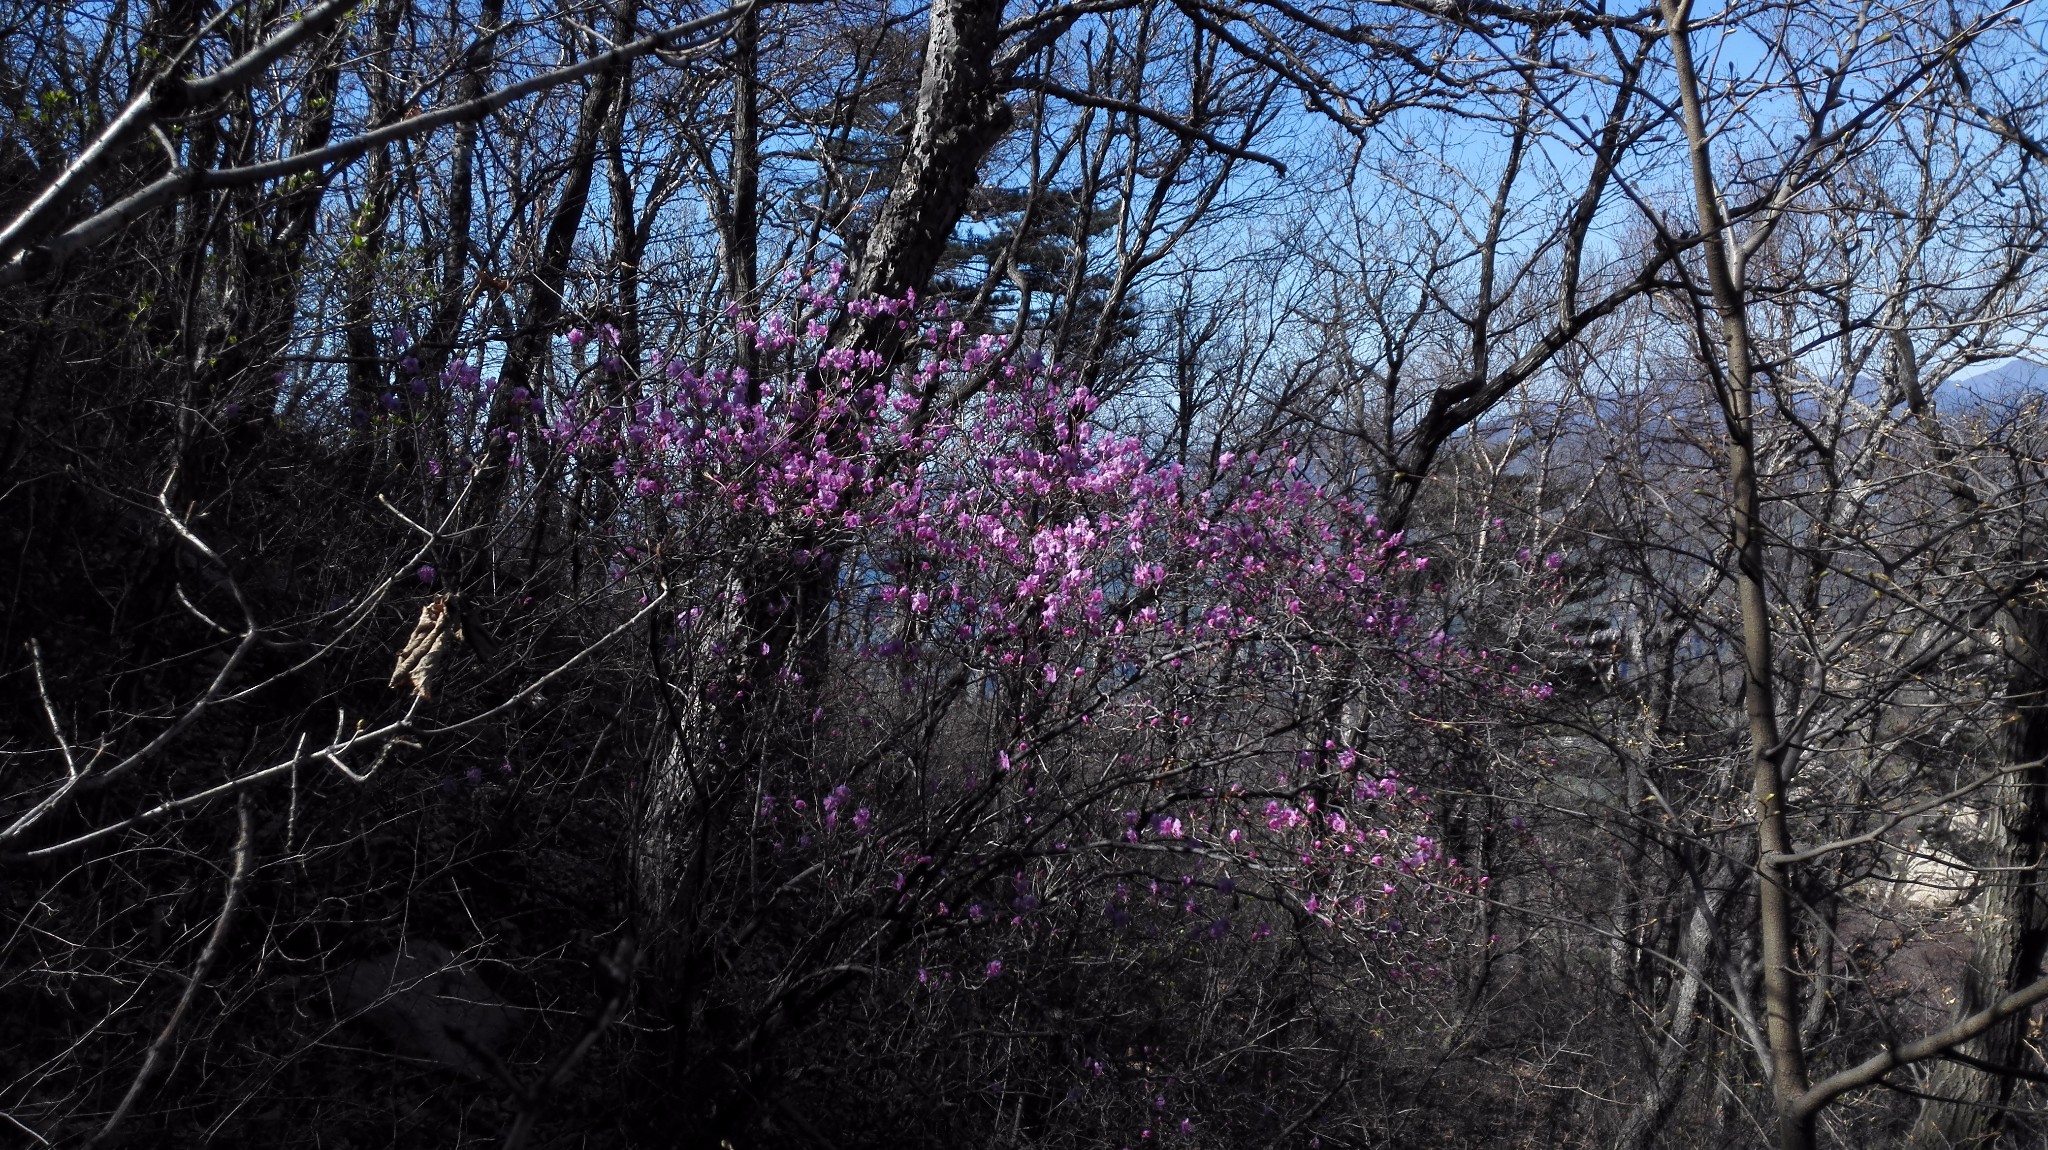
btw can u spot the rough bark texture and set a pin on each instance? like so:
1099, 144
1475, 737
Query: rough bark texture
960, 115
1668, 1072
757, 666
2011, 930
743, 231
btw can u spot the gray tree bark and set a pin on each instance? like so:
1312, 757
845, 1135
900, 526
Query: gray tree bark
2011, 931
1674, 1055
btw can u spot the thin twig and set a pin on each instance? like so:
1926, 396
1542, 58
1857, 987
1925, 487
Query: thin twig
619, 973
200, 970
1921, 808
35, 654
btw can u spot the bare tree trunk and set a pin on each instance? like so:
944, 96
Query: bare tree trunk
1767, 748
460, 201
527, 347
743, 231
960, 114
2011, 931
256, 271
1675, 1054
739, 706
365, 249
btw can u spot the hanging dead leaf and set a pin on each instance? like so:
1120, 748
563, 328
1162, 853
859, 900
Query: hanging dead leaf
424, 650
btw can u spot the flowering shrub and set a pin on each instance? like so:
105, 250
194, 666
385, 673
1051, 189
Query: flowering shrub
1076, 699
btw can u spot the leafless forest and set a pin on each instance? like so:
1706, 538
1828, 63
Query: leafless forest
1048, 573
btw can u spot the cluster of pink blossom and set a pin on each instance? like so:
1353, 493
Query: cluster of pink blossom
988, 502
976, 515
